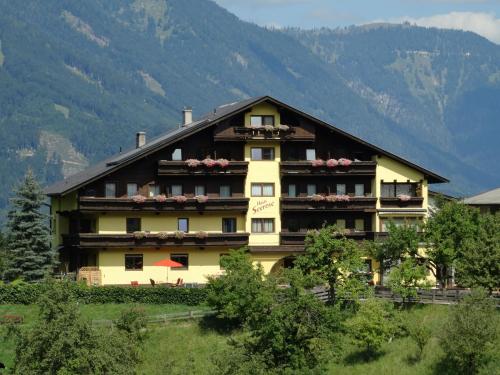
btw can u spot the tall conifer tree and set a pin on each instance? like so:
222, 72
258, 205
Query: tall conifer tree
28, 250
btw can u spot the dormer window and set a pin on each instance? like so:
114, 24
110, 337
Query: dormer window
261, 120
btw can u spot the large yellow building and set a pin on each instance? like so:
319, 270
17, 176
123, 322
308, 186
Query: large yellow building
257, 173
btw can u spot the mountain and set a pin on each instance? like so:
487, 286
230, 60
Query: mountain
78, 79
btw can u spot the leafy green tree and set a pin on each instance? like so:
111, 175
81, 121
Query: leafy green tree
234, 294
420, 333
373, 325
29, 252
335, 259
447, 233
63, 343
406, 277
478, 259
470, 333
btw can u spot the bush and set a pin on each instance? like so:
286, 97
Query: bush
26, 294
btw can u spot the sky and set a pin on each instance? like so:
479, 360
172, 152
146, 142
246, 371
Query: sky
480, 16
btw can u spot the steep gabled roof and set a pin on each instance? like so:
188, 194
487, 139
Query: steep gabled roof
220, 113
488, 197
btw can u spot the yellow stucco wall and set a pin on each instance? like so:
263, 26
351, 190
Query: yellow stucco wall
262, 110
59, 223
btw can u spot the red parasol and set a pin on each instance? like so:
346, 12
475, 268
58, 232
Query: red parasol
168, 263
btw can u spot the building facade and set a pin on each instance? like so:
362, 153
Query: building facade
257, 173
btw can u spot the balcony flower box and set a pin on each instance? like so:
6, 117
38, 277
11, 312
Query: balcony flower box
404, 197
209, 163
193, 163
138, 198
179, 235
223, 163
269, 128
332, 163
338, 198
284, 128
344, 162
317, 163
201, 235
162, 235
162, 198
179, 199
139, 235
317, 198
201, 198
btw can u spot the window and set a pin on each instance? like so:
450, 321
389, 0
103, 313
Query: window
359, 225
228, 225
176, 190
133, 224
183, 224
393, 189
133, 262
262, 153
310, 154
261, 120
182, 259
292, 190
359, 190
177, 154
199, 190
341, 190
311, 189
340, 223
262, 190
262, 225
154, 190
110, 190
131, 189
225, 191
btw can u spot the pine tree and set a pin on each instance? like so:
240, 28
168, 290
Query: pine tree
28, 250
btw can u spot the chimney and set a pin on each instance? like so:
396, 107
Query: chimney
140, 139
187, 116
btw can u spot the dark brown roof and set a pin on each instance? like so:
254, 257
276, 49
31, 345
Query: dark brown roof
115, 162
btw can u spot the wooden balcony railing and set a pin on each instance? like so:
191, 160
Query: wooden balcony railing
298, 238
363, 204
91, 204
413, 202
93, 240
305, 168
235, 133
180, 168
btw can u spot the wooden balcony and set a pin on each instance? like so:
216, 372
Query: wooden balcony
241, 133
305, 168
414, 202
180, 168
298, 238
90, 204
362, 204
129, 240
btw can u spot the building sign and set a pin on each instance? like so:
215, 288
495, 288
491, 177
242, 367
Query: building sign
262, 205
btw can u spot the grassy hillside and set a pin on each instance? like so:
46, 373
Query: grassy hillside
78, 79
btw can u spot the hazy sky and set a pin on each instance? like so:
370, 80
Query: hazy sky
480, 16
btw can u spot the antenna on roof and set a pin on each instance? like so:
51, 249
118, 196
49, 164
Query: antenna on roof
120, 149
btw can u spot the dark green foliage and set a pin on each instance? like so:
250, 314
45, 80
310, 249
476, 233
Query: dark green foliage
336, 260
29, 255
234, 294
420, 333
406, 277
29, 293
470, 336
63, 343
478, 260
373, 325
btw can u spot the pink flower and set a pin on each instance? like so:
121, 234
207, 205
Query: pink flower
161, 198
317, 197
138, 198
331, 198
179, 235
268, 128
179, 199
201, 198
201, 235
283, 127
404, 197
317, 163
208, 162
345, 162
332, 163
193, 163
343, 198
223, 163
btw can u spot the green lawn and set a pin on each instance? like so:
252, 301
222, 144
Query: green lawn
186, 347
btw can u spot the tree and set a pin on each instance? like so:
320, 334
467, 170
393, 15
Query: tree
29, 253
335, 259
234, 293
63, 343
406, 277
478, 258
420, 333
472, 328
373, 325
447, 233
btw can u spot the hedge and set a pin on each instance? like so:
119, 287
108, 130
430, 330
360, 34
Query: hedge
26, 294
